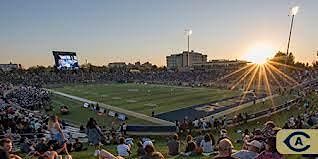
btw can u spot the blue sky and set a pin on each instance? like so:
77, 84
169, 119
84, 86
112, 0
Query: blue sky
147, 30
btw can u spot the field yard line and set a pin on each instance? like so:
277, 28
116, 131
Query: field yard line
116, 109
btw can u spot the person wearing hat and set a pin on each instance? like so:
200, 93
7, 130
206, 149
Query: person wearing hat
268, 130
253, 149
223, 135
225, 148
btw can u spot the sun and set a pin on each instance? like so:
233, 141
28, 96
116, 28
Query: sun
259, 53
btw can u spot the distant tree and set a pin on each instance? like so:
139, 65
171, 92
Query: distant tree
282, 58
300, 65
315, 64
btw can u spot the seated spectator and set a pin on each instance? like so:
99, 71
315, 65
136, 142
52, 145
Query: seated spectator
270, 150
225, 147
207, 145
268, 129
78, 146
64, 110
191, 147
140, 149
223, 135
151, 153
246, 137
157, 155
199, 138
6, 145
25, 146
173, 145
42, 146
257, 135
253, 149
82, 129
107, 140
123, 149
147, 142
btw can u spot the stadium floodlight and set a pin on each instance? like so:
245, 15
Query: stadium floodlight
188, 33
293, 12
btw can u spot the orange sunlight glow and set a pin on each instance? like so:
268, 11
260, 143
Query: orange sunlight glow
259, 54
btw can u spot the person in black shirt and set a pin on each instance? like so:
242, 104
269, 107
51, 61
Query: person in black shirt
77, 146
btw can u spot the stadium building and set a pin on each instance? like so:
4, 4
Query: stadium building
185, 60
198, 61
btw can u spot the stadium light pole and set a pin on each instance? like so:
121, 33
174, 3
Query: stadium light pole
294, 11
188, 33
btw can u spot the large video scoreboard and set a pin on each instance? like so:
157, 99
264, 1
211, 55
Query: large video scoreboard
65, 60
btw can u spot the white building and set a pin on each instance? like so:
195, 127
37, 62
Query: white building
185, 60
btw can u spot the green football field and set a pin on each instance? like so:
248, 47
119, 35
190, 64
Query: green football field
80, 116
146, 98
103, 94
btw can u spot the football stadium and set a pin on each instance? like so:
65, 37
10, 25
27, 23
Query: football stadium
261, 103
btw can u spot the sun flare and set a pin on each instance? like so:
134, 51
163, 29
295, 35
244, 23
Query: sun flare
259, 54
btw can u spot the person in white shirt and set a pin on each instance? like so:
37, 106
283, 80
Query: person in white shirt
147, 142
196, 123
207, 145
123, 149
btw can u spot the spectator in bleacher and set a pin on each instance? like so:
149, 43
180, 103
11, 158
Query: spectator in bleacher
191, 147
207, 145
57, 134
253, 149
42, 146
199, 138
225, 148
25, 145
123, 128
173, 145
6, 145
43, 151
151, 153
258, 135
140, 149
78, 146
64, 110
223, 135
246, 137
270, 150
123, 149
268, 130
93, 132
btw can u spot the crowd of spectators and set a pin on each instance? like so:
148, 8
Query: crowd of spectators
46, 76
42, 136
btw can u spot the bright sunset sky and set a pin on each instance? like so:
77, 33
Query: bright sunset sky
148, 30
